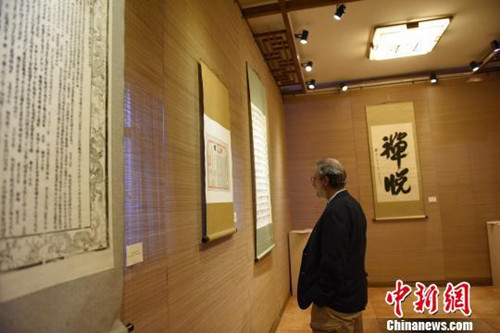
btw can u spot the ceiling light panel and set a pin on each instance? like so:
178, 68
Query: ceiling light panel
406, 40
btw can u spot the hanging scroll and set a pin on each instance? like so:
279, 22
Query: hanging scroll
217, 166
394, 162
263, 218
53, 176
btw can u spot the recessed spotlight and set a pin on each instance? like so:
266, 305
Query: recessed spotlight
311, 84
339, 12
308, 66
344, 87
474, 66
433, 78
303, 36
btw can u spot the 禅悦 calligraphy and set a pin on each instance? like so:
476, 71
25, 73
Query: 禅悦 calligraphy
394, 148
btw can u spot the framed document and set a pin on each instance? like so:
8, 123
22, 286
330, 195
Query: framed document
54, 223
217, 166
263, 218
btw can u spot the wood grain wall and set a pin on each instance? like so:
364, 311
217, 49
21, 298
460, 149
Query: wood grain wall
183, 286
458, 128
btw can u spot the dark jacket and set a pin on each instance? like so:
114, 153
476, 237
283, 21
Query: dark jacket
332, 272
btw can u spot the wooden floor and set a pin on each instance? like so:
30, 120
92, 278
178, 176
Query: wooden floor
485, 305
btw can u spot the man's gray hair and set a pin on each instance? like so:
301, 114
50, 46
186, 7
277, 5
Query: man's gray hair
332, 169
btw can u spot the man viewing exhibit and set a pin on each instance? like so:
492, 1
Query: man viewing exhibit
332, 273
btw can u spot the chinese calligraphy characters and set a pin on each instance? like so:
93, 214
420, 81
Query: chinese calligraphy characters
394, 149
261, 167
54, 222
53, 131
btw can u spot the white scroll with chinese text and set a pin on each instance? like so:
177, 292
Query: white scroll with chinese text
394, 161
264, 234
54, 224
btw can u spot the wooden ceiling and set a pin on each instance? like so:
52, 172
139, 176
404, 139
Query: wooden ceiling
338, 49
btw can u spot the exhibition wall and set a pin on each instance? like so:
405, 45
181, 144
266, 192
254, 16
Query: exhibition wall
176, 283
183, 285
457, 129
65, 271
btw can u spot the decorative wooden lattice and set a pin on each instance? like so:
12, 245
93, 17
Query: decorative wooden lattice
278, 54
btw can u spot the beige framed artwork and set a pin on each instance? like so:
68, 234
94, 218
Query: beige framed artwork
395, 170
217, 166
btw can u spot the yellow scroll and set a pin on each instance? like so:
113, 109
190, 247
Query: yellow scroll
217, 167
396, 178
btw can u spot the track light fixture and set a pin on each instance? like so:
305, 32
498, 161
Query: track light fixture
433, 78
308, 66
474, 66
303, 36
311, 84
339, 12
495, 45
344, 87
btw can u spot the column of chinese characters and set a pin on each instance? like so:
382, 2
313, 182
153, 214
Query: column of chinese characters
261, 167
394, 149
455, 297
45, 119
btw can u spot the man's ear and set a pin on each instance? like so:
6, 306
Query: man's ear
326, 181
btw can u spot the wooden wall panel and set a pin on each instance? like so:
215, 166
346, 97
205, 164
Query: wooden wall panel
465, 123
187, 286
316, 127
457, 128
144, 159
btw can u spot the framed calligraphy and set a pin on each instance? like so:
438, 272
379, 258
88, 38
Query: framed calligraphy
394, 161
263, 218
